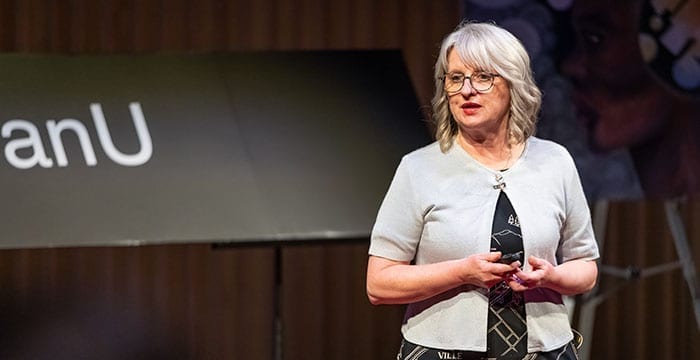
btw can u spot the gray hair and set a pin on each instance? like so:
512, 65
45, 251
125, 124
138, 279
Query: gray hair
491, 48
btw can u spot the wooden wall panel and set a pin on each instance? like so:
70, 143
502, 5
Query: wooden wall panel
326, 311
196, 302
651, 317
177, 301
191, 301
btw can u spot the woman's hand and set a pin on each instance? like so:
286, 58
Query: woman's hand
570, 278
537, 277
399, 282
484, 271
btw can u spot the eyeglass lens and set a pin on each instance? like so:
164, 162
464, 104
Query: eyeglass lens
479, 81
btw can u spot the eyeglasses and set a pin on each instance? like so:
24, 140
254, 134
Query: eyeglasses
480, 81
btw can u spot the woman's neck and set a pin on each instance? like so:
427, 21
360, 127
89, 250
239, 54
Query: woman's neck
494, 152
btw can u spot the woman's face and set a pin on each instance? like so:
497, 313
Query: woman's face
478, 112
616, 96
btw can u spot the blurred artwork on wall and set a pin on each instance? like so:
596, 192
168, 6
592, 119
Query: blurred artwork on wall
621, 84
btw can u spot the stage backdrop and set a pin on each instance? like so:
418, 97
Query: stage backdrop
126, 150
621, 85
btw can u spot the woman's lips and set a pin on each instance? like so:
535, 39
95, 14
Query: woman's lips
470, 108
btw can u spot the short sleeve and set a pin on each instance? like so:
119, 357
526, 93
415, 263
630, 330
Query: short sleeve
399, 223
577, 238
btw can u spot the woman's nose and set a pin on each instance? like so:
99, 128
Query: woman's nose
467, 88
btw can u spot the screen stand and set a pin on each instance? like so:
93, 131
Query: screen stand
685, 256
278, 299
591, 300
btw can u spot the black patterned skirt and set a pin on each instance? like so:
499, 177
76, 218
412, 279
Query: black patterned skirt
411, 351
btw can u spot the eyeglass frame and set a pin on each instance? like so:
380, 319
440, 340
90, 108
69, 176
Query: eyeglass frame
493, 77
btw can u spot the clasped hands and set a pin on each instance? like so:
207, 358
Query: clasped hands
493, 272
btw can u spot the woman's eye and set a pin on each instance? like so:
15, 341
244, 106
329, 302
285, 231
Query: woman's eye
482, 77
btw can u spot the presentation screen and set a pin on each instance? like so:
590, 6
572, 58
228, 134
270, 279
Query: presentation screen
256, 147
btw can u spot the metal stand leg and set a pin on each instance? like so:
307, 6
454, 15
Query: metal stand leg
631, 273
684, 255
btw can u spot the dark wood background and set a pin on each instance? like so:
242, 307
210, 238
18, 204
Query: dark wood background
198, 301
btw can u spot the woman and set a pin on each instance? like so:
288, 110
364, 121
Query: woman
454, 211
